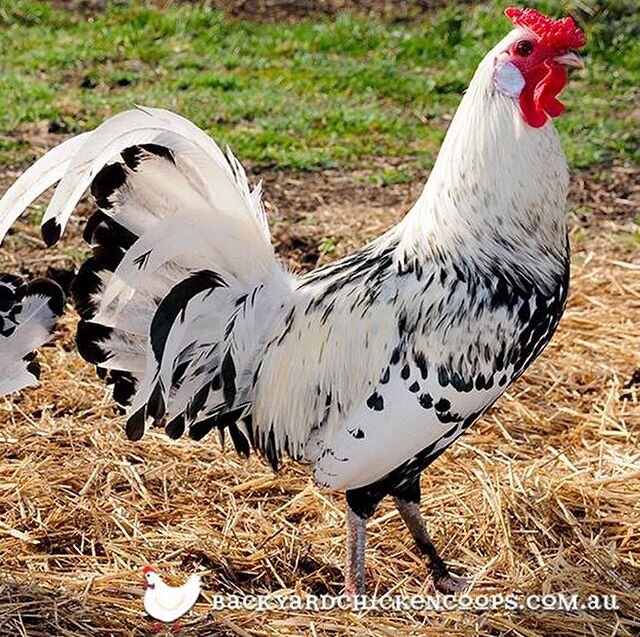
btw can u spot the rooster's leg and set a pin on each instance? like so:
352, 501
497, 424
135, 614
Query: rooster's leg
356, 535
408, 504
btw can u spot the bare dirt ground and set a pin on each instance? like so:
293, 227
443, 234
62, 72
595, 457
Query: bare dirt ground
541, 496
317, 217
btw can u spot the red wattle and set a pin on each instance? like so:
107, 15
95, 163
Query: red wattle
538, 100
529, 106
550, 87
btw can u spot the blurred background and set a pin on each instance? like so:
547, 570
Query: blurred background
364, 88
298, 83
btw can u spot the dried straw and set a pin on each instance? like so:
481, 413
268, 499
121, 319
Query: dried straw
540, 496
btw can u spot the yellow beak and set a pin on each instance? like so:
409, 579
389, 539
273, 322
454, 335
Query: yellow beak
570, 59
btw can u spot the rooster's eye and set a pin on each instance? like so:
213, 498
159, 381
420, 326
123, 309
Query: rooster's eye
524, 48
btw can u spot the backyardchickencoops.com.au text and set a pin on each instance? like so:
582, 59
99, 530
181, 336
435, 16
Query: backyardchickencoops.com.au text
562, 602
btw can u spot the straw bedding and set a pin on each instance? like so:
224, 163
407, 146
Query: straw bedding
540, 496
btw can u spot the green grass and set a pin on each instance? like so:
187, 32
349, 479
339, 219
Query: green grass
307, 95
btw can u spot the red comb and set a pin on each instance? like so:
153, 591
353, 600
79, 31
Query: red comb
561, 33
148, 569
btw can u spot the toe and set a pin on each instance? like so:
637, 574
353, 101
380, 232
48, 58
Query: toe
448, 584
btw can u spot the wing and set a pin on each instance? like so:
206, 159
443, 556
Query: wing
412, 410
462, 338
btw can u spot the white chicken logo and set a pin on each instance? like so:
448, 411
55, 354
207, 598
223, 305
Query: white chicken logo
168, 603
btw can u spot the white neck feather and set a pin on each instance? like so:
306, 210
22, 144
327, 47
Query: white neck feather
498, 189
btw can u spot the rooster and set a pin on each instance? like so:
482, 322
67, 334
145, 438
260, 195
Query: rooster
28, 313
366, 369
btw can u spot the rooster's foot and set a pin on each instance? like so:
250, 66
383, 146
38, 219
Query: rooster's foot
447, 584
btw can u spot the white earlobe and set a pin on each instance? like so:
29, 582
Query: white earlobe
508, 79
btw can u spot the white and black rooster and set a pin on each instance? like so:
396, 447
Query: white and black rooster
28, 314
367, 369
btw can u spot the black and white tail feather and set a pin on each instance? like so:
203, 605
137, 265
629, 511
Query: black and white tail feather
28, 314
181, 248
